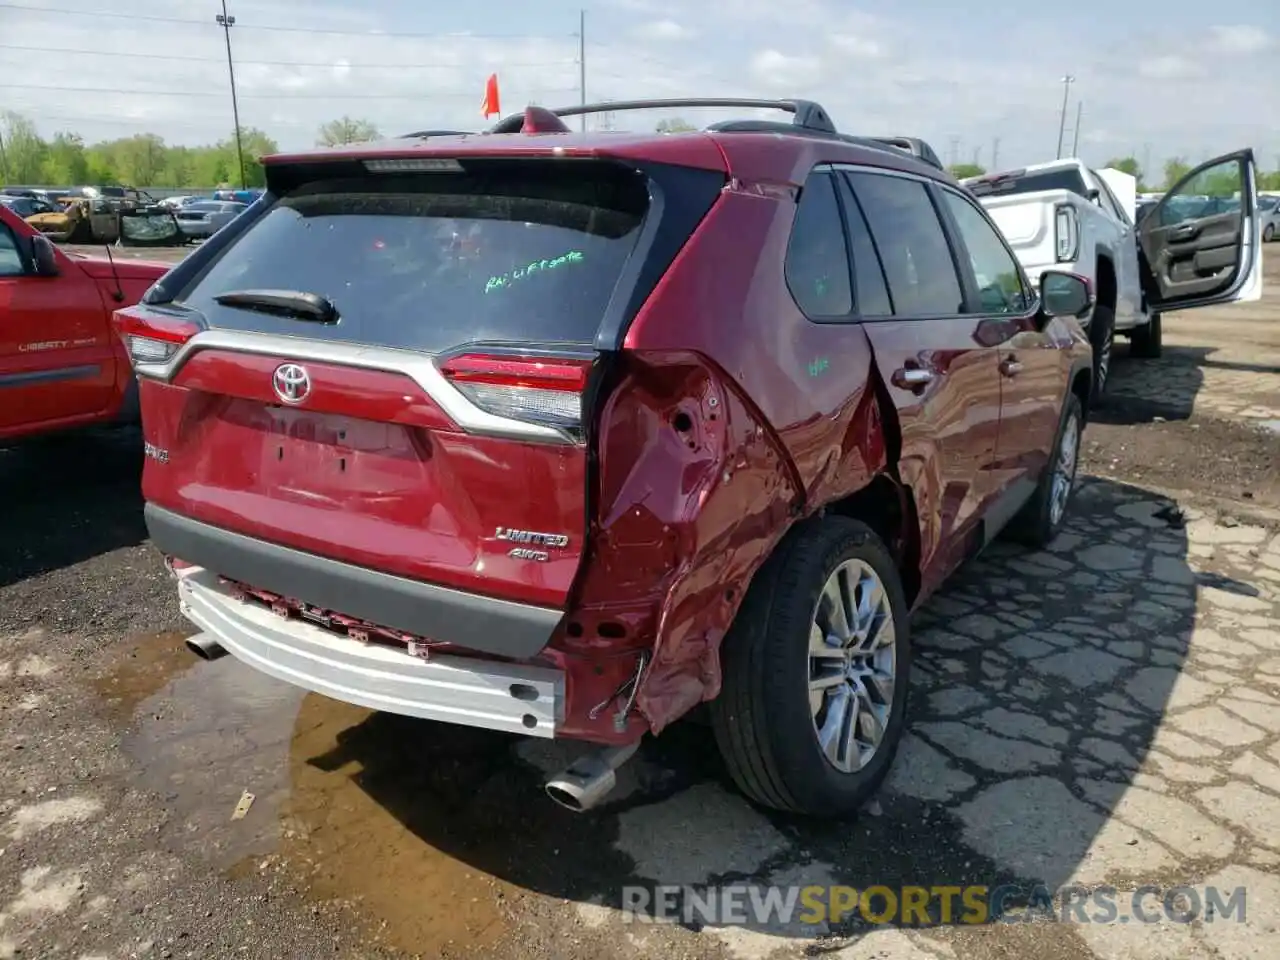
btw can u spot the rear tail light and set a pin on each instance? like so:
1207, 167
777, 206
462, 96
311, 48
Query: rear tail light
152, 338
535, 390
1066, 233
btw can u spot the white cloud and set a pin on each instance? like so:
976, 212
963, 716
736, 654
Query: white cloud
782, 72
663, 30
1170, 67
1240, 39
857, 46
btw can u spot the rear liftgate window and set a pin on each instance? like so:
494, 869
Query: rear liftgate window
499, 251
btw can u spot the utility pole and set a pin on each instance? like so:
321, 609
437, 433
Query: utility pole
995, 154
955, 150
1067, 81
1146, 162
226, 21
1075, 137
582, 64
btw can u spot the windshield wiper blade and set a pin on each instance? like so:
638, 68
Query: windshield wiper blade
298, 304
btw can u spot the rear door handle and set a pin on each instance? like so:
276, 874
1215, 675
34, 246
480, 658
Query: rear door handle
1010, 367
912, 378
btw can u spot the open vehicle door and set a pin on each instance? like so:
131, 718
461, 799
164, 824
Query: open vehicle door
1200, 241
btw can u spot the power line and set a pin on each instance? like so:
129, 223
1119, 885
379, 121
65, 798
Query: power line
282, 29
328, 64
259, 96
46, 120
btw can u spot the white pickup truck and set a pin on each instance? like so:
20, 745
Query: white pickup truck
1065, 215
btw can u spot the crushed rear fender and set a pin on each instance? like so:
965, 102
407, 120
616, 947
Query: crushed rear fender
670, 561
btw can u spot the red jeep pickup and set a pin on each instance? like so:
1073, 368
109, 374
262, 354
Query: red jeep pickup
60, 364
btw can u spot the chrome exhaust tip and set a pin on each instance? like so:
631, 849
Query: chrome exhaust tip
205, 647
590, 778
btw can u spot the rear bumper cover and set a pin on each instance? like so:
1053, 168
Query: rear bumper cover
477, 623
515, 698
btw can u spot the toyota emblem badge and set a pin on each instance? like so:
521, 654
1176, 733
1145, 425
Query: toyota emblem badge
292, 383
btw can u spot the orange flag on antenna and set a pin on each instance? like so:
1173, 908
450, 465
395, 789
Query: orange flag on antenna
490, 105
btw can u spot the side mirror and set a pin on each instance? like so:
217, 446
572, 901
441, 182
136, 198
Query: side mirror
1095, 195
1065, 294
43, 257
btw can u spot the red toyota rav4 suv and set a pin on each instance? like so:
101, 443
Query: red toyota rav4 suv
564, 434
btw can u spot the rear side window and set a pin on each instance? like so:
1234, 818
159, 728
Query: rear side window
817, 266
912, 245
526, 251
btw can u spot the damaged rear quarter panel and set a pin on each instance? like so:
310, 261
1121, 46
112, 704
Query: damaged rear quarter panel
734, 416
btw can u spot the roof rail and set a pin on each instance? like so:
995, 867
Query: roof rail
808, 115
913, 145
810, 119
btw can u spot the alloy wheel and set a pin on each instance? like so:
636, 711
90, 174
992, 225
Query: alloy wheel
1064, 469
852, 666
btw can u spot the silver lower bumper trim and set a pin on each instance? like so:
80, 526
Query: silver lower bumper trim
515, 698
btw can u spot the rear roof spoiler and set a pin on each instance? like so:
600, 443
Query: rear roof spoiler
423, 134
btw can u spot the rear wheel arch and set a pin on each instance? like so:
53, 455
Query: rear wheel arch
887, 506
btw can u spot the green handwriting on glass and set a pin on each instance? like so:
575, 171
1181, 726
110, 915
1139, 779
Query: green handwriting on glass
819, 367
503, 280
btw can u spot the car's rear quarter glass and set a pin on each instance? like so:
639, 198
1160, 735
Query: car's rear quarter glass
517, 251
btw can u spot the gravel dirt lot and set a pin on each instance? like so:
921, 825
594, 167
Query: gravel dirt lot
1105, 712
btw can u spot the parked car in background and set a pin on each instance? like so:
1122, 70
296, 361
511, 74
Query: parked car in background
201, 219
1269, 217
25, 206
1066, 215
237, 196
61, 365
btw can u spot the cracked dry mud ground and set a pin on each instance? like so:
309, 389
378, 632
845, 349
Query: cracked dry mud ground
1107, 711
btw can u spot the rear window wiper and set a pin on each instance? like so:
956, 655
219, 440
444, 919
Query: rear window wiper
298, 304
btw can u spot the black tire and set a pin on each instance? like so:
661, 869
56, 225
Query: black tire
762, 719
1036, 525
1102, 336
1268, 233
1147, 341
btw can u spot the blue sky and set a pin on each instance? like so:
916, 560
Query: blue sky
1157, 79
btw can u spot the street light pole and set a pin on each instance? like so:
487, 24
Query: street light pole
1075, 136
1062, 123
582, 65
226, 21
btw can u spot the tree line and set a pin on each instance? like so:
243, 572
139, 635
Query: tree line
145, 160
